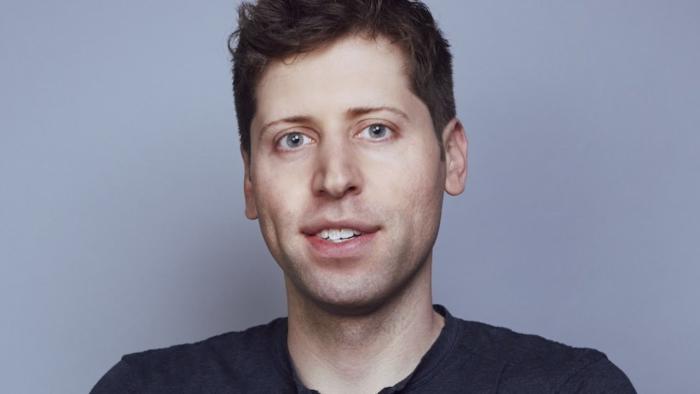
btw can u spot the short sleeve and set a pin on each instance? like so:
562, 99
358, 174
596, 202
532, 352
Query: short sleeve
600, 376
119, 379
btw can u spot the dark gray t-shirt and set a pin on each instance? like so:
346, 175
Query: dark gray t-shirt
467, 357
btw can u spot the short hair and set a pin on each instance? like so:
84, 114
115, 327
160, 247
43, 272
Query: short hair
277, 29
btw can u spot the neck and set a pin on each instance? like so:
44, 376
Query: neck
363, 352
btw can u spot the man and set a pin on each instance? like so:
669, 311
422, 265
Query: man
349, 138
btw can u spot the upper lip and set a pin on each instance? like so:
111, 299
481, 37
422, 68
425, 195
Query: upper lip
315, 227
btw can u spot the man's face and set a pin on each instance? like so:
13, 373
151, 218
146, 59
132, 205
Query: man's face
345, 174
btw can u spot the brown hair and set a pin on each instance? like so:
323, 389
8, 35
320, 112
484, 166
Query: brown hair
276, 29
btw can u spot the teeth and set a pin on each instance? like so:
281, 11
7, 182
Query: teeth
338, 235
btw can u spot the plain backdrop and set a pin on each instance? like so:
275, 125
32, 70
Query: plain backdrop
121, 211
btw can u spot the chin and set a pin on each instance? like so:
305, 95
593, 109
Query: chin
355, 290
348, 297
349, 306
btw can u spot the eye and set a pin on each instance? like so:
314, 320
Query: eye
293, 141
376, 132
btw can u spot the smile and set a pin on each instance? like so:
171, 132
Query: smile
338, 235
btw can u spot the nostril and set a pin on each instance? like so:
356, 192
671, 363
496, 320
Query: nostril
336, 175
340, 189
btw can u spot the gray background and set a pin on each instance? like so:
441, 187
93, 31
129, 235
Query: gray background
121, 213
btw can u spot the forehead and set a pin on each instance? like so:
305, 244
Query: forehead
351, 72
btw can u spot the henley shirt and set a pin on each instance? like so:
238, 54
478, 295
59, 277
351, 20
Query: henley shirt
467, 357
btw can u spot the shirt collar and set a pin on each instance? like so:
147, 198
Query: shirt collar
425, 369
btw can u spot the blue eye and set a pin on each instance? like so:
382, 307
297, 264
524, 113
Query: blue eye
293, 140
376, 131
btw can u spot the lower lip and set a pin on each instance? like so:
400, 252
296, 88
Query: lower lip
352, 248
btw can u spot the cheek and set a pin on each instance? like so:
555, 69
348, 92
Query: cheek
282, 191
277, 201
412, 177
410, 188
278, 184
425, 202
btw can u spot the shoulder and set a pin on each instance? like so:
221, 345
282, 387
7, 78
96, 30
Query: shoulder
216, 363
531, 363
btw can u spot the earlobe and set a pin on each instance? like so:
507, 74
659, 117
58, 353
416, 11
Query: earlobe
251, 209
455, 144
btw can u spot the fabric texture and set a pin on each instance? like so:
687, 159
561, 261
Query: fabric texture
467, 357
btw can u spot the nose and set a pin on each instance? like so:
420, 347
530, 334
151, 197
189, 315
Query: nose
337, 172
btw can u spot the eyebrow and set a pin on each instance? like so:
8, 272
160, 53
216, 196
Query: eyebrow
349, 114
359, 111
289, 119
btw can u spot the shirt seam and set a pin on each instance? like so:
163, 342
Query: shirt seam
429, 373
578, 370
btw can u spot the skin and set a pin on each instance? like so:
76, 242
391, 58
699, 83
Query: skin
339, 136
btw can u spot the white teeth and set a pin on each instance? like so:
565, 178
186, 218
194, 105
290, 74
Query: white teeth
338, 235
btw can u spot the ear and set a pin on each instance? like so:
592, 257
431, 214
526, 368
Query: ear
251, 210
455, 143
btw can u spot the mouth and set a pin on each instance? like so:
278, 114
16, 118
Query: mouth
338, 235
340, 240
338, 231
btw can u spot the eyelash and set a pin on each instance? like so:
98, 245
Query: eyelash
278, 143
390, 132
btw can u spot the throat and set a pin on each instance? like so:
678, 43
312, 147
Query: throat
354, 356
